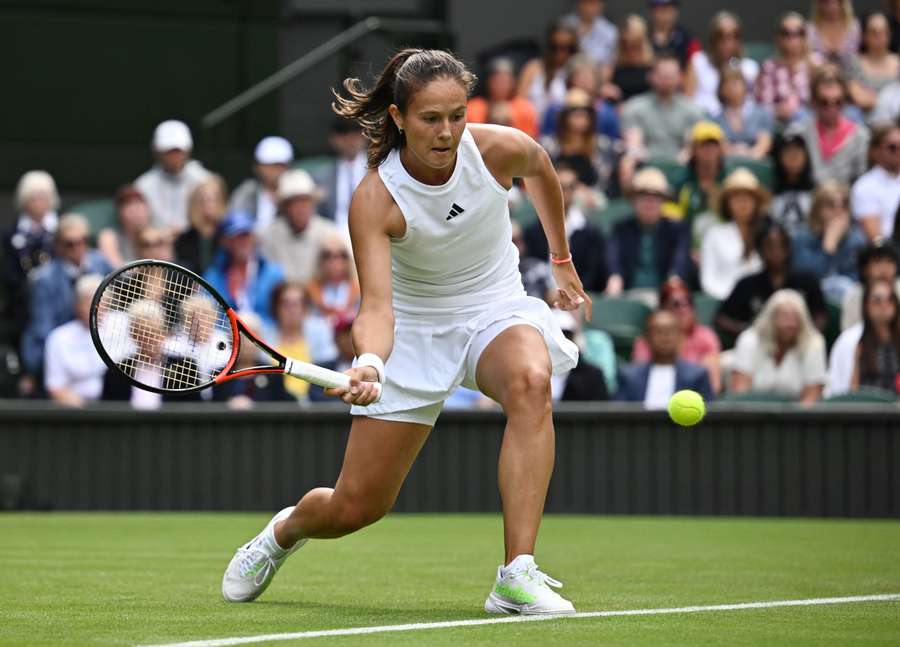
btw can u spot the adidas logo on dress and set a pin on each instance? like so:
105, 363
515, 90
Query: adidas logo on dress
455, 210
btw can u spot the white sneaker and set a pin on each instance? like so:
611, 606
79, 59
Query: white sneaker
255, 563
522, 588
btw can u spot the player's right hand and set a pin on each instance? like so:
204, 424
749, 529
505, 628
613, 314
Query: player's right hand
363, 391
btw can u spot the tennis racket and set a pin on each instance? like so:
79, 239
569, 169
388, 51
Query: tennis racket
167, 330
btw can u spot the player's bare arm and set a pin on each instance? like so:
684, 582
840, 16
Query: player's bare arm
510, 153
374, 219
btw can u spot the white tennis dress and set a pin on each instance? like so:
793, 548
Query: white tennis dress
456, 286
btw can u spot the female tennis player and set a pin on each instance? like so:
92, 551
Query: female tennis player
442, 305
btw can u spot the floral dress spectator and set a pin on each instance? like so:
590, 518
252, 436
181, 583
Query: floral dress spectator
724, 48
500, 98
793, 182
833, 29
727, 250
782, 86
828, 245
782, 353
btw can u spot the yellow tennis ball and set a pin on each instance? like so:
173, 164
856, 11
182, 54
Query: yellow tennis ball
687, 408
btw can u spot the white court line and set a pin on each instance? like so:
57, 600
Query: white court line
226, 642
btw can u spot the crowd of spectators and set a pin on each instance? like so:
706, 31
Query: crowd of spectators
747, 203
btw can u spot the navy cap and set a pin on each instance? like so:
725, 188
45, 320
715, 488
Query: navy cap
237, 223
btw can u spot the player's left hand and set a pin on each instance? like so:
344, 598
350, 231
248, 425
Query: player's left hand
362, 391
570, 293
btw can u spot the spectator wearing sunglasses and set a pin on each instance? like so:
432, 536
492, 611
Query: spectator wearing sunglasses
51, 300
876, 195
783, 83
838, 147
334, 291
724, 49
543, 80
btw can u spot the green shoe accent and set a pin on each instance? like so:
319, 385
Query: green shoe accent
517, 595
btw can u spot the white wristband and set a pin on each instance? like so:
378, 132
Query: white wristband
371, 359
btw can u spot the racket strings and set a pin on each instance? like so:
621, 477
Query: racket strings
163, 328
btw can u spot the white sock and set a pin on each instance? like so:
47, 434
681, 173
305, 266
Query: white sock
520, 563
268, 541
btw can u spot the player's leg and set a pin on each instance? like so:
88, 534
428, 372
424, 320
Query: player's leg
514, 369
378, 457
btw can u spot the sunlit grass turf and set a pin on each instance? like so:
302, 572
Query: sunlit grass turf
127, 579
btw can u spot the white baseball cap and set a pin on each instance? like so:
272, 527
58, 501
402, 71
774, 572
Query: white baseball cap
274, 150
297, 183
171, 135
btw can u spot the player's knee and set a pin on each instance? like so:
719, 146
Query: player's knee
350, 516
529, 387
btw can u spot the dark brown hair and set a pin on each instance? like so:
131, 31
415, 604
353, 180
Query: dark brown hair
278, 292
406, 73
869, 343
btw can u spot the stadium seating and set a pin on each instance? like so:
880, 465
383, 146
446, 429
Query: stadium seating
613, 212
759, 50
622, 318
100, 213
756, 397
674, 170
864, 395
705, 308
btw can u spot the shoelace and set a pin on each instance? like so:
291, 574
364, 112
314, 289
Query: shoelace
257, 563
542, 578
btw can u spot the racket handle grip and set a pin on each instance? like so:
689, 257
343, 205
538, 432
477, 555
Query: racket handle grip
322, 376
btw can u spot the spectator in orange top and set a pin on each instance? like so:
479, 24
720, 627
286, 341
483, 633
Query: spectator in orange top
501, 99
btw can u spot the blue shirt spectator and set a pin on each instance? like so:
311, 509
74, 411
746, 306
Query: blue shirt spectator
52, 287
829, 244
243, 277
654, 382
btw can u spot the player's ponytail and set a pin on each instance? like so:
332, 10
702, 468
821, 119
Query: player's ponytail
406, 72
